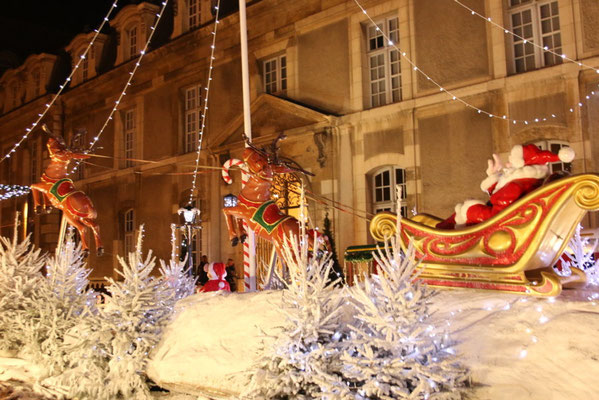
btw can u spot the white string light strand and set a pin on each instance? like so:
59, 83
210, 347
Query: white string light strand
61, 87
455, 97
131, 75
8, 191
509, 32
205, 110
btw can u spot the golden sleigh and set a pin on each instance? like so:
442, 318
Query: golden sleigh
512, 252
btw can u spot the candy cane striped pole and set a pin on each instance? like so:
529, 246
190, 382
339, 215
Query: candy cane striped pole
233, 162
249, 252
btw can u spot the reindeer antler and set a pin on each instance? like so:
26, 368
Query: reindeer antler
274, 148
59, 138
249, 144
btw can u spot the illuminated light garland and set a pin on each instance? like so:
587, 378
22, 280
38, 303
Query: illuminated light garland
454, 97
142, 53
61, 87
9, 191
509, 32
205, 111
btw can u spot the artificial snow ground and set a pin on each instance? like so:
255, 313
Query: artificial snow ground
516, 347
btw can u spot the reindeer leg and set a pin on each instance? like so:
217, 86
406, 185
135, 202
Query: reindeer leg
231, 227
81, 228
243, 237
93, 225
38, 198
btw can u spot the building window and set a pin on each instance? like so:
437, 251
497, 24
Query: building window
129, 137
193, 114
79, 141
34, 172
384, 195
194, 13
84, 68
129, 231
15, 95
7, 175
384, 67
37, 83
132, 41
275, 74
554, 146
536, 22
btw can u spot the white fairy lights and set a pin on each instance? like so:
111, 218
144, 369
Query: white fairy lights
9, 191
61, 87
546, 49
205, 110
142, 53
454, 97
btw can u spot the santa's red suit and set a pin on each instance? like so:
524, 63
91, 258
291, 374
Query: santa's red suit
216, 275
526, 171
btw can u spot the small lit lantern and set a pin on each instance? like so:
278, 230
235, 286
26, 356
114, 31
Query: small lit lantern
230, 200
190, 214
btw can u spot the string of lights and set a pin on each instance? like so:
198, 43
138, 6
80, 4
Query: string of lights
546, 49
205, 110
454, 97
61, 87
142, 53
9, 191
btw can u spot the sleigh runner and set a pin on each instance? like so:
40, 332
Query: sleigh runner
511, 252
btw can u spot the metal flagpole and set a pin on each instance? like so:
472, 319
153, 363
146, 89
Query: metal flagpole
249, 246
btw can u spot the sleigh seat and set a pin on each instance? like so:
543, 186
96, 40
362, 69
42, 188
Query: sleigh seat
514, 251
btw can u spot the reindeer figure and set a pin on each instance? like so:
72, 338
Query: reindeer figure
56, 190
255, 206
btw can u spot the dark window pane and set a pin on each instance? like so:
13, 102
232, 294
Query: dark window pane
386, 180
386, 194
519, 50
516, 19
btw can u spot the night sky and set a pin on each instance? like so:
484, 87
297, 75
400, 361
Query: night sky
34, 26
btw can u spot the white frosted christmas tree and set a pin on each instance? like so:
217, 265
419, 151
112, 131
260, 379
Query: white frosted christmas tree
580, 255
116, 343
300, 364
20, 276
178, 279
59, 304
395, 350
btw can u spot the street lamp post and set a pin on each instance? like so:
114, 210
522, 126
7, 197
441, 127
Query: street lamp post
190, 225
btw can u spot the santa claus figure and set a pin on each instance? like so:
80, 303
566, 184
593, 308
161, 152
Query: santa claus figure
526, 171
216, 275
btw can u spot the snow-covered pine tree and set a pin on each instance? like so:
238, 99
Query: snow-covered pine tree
20, 276
179, 279
580, 255
60, 302
111, 359
298, 365
395, 350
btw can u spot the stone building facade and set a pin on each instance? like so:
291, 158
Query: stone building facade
356, 114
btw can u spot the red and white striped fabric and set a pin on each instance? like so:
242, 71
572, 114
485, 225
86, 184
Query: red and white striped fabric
233, 162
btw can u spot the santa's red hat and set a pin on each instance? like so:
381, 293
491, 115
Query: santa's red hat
530, 154
217, 271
